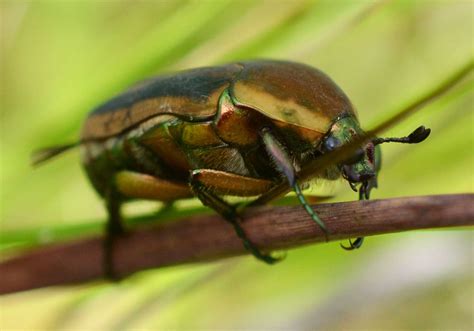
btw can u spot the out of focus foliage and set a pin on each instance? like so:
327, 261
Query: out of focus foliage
60, 59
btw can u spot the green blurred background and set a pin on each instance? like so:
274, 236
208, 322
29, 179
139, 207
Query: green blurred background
61, 58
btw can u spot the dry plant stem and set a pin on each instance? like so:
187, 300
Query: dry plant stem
206, 238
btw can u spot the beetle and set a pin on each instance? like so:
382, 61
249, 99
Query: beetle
233, 130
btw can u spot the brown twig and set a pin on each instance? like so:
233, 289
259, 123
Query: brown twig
205, 238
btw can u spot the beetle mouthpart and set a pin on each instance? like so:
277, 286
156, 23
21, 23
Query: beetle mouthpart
365, 177
356, 177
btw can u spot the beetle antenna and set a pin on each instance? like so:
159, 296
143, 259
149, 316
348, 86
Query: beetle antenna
44, 154
417, 136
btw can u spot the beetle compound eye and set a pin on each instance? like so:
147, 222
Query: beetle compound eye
331, 143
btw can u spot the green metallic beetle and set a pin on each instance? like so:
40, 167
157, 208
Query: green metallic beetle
231, 130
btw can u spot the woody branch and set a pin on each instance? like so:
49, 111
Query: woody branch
207, 238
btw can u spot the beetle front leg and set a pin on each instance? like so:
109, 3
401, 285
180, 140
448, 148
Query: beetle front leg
230, 214
284, 165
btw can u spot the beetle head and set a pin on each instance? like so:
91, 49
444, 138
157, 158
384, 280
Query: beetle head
364, 164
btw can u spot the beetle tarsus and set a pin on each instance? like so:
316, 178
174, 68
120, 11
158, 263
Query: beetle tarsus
250, 246
310, 210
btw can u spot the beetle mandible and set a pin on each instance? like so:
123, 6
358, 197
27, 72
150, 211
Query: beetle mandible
230, 130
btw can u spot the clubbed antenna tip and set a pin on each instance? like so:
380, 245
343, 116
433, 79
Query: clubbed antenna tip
417, 136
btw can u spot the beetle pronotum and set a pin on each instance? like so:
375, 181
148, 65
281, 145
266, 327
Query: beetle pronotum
237, 129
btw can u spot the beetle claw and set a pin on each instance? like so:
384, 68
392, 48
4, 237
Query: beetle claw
267, 258
272, 259
353, 186
347, 248
356, 244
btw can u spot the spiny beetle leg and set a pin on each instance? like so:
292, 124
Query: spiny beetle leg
229, 213
283, 164
114, 229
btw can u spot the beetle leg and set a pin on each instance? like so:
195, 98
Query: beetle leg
225, 183
142, 186
229, 213
113, 229
285, 167
364, 192
134, 185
